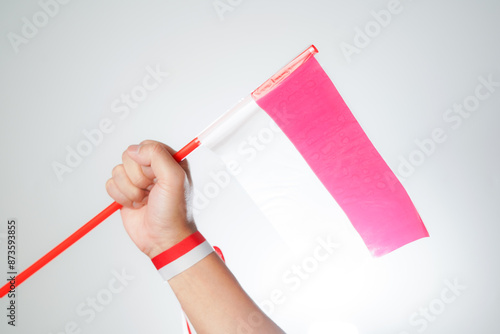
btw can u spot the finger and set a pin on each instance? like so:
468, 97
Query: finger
159, 157
136, 172
148, 141
184, 163
153, 142
115, 194
125, 186
147, 169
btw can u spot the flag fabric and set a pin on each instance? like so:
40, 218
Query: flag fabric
301, 155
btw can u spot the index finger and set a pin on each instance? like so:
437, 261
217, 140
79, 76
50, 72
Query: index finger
159, 157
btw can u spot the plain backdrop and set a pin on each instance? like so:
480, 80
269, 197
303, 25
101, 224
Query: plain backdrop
65, 68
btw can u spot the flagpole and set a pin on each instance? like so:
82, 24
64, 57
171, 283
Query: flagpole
78, 234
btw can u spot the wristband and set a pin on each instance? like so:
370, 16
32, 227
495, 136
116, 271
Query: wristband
182, 256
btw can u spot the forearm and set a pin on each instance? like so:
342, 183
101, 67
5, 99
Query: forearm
215, 302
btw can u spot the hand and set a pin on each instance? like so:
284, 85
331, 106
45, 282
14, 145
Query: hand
153, 189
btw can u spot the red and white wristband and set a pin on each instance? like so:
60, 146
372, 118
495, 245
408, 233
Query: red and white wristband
182, 256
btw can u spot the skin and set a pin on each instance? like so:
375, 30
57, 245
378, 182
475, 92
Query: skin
154, 190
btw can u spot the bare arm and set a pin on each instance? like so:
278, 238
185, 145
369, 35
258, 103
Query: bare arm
152, 187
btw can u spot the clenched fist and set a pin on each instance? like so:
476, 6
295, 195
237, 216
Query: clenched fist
154, 190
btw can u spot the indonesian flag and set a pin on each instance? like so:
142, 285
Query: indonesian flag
298, 151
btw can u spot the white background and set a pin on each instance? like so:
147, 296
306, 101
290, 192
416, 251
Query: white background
64, 78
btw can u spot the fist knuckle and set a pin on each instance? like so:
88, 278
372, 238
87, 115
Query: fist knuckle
157, 148
117, 170
109, 185
147, 141
137, 195
139, 180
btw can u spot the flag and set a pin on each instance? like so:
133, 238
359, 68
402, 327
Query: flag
300, 154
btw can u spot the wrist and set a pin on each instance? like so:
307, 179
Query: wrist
171, 239
182, 255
